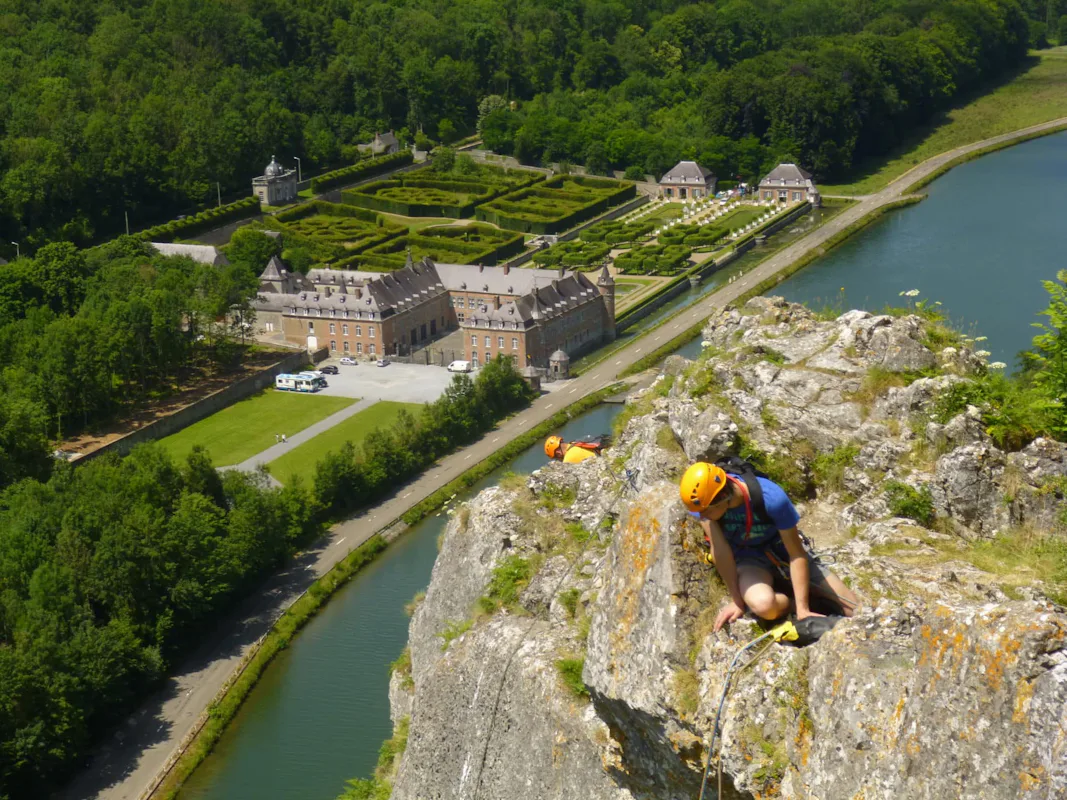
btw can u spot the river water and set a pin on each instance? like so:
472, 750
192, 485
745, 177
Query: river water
321, 710
989, 232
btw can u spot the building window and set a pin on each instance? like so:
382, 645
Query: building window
500, 342
433, 327
422, 333
344, 330
345, 346
333, 345
796, 195
474, 340
514, 343
474, 358
373, 349
460, 317
359, 347
488, 342
311, 327
370, 332
359, 330
333, 328
461, 302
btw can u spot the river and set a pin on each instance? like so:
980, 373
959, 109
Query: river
321, 711
981, 243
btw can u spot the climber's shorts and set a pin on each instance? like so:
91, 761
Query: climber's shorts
775, 559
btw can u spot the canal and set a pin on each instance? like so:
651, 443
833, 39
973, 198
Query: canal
321, 711
990, 231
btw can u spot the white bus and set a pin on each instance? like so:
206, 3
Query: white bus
297, 383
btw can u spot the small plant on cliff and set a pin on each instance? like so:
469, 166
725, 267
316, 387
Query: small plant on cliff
686, 692
509, 578
402, 667
828, 469
907, 501
453, 630
570, 672
412, 606
569, 601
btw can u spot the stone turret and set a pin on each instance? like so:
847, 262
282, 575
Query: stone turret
606, 284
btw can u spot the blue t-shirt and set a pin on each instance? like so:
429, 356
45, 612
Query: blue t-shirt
779, 508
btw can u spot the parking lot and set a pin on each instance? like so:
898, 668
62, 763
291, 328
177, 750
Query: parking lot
408, 383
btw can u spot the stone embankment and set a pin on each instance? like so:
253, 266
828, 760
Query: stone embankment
564, 648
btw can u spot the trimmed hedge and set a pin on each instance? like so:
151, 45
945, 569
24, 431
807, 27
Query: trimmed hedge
206, 220
654, 260
442, 243
357, 172
614, 232
693, 235
328, 209
572, 254
476, 191
556, 205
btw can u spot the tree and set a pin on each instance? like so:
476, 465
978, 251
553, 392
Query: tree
444, 158
252, 249
488, 105
1050, 348
1062, 30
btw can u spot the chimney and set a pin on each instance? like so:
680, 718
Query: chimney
561, 272
481, 267
359, 292
507, 269
555, 283
496, 303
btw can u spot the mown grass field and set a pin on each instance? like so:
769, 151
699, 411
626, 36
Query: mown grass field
248, 426
1037, 94
302, 460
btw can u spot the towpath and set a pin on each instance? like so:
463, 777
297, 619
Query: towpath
129, 766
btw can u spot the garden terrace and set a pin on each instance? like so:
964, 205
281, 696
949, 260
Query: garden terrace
336, 224
429, 193
655, 259
450, 244
575, 254
556, 205
615, 232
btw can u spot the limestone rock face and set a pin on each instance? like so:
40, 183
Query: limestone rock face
598, 674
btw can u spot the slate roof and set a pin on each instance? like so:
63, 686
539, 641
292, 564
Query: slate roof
204, 254
386, 139
544, 302
787, 175
687, 172
493, 280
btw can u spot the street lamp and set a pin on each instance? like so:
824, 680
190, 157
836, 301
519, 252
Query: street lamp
17, 256
298, 178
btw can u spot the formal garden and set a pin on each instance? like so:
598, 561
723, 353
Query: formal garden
656, 259
452, 244
555, 205
337, 224
454, 190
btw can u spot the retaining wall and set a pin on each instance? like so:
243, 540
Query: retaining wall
183, 418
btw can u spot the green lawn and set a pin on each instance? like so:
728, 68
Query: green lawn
302, 460
248, 426
1037, 94
667, 212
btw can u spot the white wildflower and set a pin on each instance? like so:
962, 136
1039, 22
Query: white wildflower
705, 343
980, 338
911, 293
998, 365
982, 353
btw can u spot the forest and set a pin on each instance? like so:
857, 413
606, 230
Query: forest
130, 107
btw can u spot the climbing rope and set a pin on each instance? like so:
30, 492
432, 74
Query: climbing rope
784, 632
631, 478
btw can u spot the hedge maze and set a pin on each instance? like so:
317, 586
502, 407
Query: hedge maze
555, 205
450, 244
579, 255
655, 259
427, 193
336, 224
613, 232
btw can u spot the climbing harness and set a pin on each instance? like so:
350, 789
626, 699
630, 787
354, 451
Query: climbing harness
800, 633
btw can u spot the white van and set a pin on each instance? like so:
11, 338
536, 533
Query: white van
459, 366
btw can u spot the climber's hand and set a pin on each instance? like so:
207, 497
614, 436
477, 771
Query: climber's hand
807, 613
730, 613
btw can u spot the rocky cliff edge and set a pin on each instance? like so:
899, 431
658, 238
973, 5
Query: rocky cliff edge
564, 647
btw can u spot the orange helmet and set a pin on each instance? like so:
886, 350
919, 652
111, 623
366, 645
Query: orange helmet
700, 484
552, 444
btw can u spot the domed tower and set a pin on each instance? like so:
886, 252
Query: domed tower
606, 284
276, 186
274, 169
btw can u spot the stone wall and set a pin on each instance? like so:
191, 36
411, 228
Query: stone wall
195, 412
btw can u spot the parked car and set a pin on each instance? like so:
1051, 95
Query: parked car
383, 362
459, 366
329, 369
348, 362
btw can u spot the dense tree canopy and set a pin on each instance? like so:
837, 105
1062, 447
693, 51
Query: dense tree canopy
142, 107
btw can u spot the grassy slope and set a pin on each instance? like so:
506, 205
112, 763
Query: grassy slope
302, 460
248, 427
1037, 94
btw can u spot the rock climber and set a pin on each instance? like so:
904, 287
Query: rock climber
751, 525
572, 452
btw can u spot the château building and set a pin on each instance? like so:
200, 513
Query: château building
687, 180
788, 183
525, 314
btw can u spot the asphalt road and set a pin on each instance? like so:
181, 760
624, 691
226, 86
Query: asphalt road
127, 767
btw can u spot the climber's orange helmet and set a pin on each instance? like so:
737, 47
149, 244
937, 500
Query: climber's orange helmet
700, 485
552, 445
